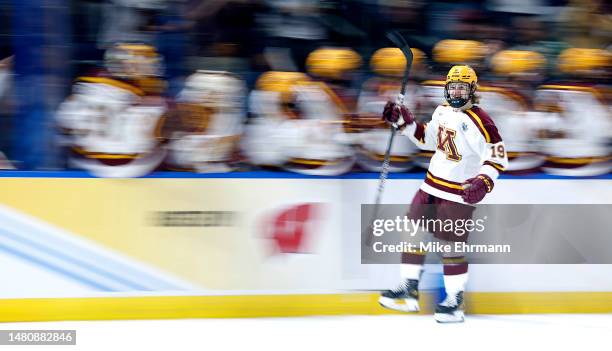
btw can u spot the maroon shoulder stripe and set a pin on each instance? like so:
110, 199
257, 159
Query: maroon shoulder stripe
419, 132
484, 121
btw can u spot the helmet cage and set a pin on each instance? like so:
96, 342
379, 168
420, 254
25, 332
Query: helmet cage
458, 102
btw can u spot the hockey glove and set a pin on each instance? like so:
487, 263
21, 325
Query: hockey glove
397, 115
475, 189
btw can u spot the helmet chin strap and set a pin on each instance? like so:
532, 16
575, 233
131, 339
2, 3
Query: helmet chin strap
467, 105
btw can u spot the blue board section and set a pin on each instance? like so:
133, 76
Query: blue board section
41, 46
30, 117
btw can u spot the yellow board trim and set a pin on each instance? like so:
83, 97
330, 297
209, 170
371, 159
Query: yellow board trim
484, 131
250, 306
539, 302
446, 184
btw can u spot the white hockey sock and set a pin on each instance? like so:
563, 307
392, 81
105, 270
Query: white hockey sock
455, 283
411, 271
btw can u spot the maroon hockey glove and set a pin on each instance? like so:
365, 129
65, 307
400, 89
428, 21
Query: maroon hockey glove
397, 115
475, 189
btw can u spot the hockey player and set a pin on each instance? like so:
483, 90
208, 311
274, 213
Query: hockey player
6, 67
113, 120
206, 123
577, 144
468, 156
389, 65
445, 53
5, 87
333, 70
299, 124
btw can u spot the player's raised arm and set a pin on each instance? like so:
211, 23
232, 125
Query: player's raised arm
399, 117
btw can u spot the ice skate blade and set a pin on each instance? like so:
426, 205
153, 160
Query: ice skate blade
455, 317
410, 305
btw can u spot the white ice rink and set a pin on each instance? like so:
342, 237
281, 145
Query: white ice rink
394, 332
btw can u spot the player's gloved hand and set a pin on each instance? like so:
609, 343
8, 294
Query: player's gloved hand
397, 115
475, 189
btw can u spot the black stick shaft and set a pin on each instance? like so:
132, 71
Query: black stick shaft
399, 41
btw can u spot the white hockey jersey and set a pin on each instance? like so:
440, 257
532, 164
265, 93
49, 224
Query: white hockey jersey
310, 142
428, 97
210, 114
5, 87
5, 76
513, 118
465, 144
112, 129
576, 137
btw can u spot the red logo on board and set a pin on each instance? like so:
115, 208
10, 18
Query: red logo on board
290, 228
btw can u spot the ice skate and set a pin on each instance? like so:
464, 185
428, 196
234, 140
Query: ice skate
404, 299
451, 309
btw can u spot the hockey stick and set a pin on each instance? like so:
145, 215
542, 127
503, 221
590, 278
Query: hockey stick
398, 41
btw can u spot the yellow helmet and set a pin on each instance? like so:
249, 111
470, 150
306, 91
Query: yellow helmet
138, 49
280, 82
133, 61
460, 74
583, 61
517, 61
392, 62
212, 88
458, 51
332, 62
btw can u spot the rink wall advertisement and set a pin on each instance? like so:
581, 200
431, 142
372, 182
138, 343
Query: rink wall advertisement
288, 245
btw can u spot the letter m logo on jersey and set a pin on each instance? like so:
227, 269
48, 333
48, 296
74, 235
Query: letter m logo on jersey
292, 227
446, 143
